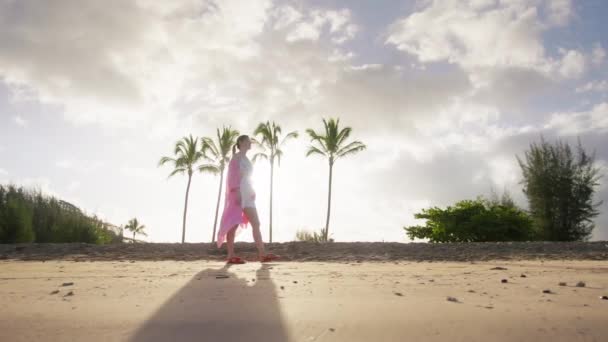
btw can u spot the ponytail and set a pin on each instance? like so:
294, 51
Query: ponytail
234, 149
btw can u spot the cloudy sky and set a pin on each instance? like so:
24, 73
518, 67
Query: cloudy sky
445, 94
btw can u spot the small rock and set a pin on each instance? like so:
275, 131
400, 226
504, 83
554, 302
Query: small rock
282, 287
561, 283
253, 279
295, 281
523, 276
69, 294
498, 268
604, 297
452, 299
332, 329
399, 294
504, 281
581, 284
221, 276
547, 291
471, 291
54, 292
67, 284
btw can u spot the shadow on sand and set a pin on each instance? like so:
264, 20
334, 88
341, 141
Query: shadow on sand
211, 307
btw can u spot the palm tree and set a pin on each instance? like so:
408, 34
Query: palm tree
134, 227
332, 144
187, 155
271, 148
217, 153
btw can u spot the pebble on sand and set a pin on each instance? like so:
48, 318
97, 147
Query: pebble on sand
561, 283
547, 291
498, 268
69, 294
504, 281
452, 299
67, 284
399, 294
581, 284
523, 276
54, 292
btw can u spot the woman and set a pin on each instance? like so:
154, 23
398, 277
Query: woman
239, 206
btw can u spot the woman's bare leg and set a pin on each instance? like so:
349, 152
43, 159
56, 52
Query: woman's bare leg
230, 241
252, 215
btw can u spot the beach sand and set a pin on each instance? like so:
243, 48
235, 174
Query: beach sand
204, 300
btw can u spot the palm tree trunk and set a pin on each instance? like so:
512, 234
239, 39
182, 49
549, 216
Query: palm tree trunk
133, 237
217, 207
331, 165
186, 209
271, 179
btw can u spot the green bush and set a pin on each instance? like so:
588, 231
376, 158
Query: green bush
16, 222
305, 235
473, 221
29, 216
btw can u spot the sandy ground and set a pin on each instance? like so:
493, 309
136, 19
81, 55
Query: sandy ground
303, 301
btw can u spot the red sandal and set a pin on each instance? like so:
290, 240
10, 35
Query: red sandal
269, 257
235, 260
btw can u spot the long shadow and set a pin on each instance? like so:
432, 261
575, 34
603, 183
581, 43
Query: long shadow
214, 308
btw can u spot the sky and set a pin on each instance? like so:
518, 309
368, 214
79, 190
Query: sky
444, 93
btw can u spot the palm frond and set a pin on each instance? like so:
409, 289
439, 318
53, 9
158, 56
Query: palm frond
348, 147
165, 160
209, 168
178, 171
314, 150
357, 148
290, 135
210, 146
278, 154
343, 135
258, 156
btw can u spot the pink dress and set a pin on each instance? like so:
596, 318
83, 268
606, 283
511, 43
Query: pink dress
233, 214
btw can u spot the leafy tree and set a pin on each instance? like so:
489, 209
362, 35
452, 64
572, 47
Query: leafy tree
218, 154
271, 144
560, 185
473, 221
187, 156
134, 227
30, 216
332, 144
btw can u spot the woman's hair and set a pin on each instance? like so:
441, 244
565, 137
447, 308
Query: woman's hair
238, 142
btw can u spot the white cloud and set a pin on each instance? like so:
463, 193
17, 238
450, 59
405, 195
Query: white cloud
559, 11
596, 86
65, 164
81, 166
572, 64
575, 123
285, 16
481, 35
598, 54
310, 26
73, 186
3, 172
19, 120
